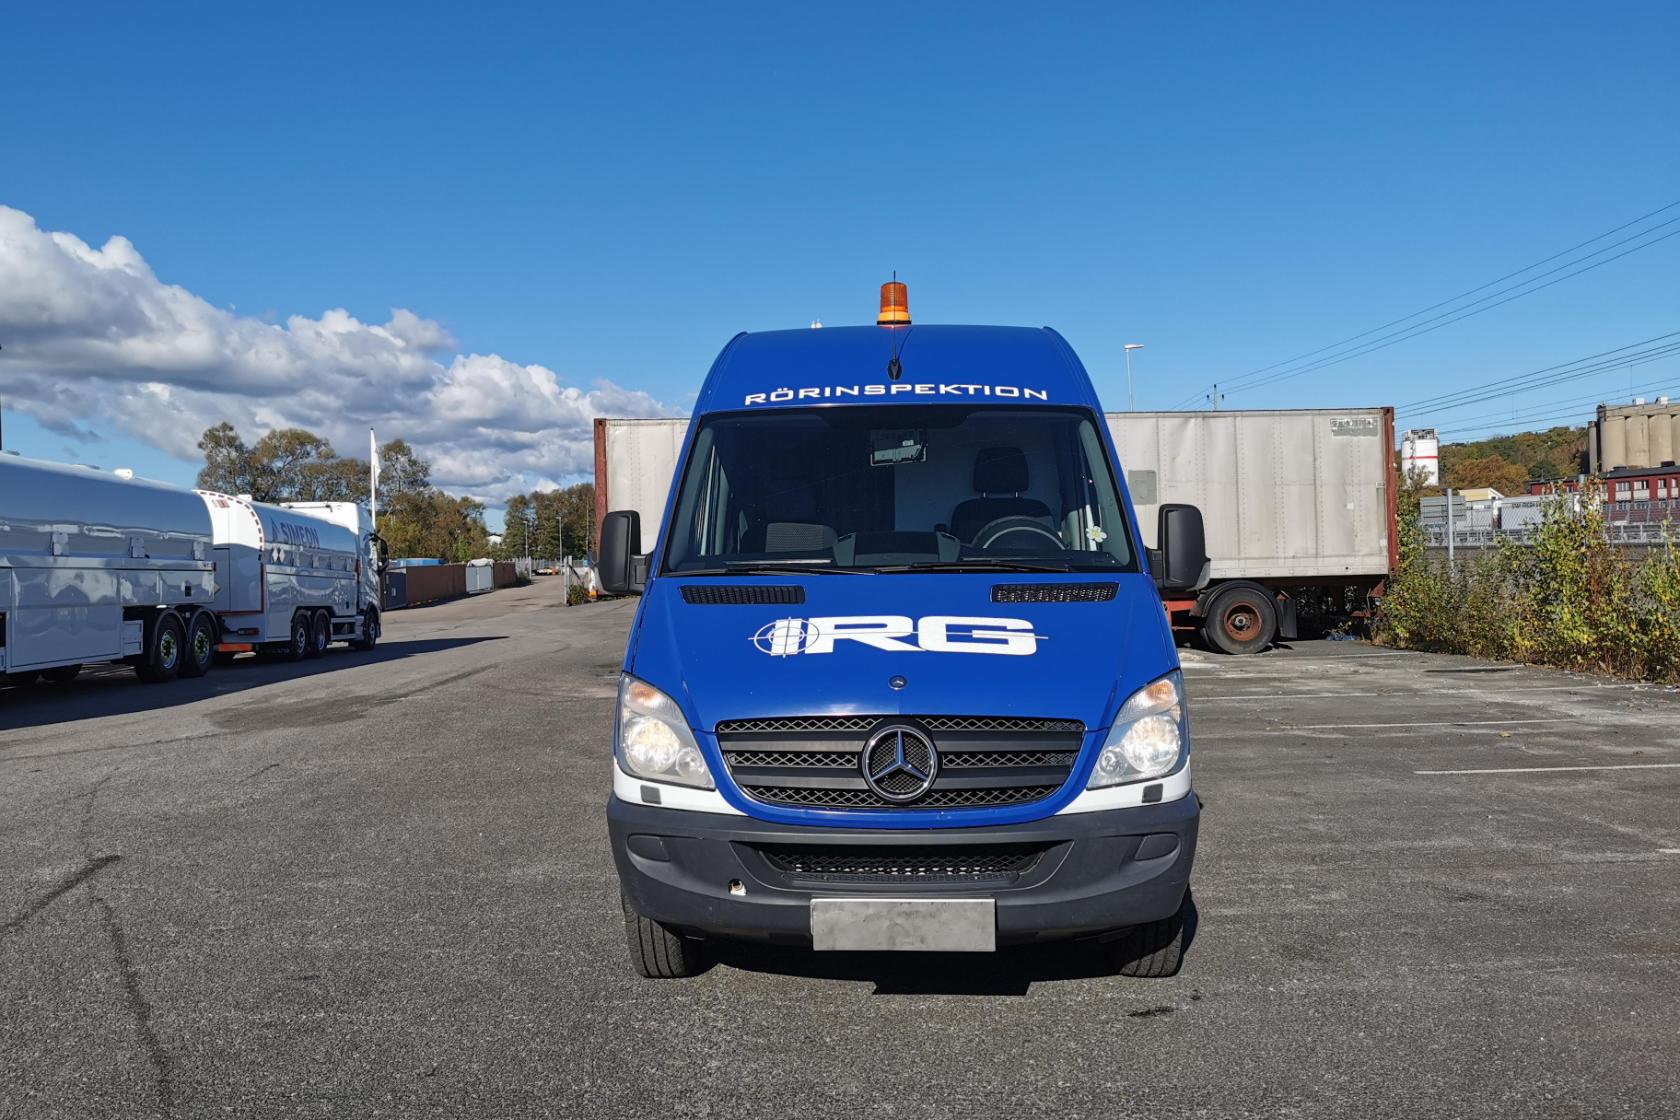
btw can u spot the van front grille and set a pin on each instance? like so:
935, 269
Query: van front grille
816, 762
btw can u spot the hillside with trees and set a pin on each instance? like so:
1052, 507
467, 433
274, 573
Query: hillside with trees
293, 465
1509, 462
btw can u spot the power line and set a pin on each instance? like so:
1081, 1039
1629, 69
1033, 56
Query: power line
1531, 410
1549, 375
1256, 378
1470, 291
1467, 311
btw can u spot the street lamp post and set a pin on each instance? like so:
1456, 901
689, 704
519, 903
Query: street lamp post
1130, 346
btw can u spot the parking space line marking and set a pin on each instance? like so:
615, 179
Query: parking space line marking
1668, 851
1547, 769
1492, 694
1422, 723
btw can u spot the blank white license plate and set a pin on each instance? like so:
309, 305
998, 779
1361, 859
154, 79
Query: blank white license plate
904, 925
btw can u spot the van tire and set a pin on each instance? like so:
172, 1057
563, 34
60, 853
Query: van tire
166, 648
200, 651
1240, 619
297, 646
60, 674
21, 680
320, 633
657, 951
1154, 949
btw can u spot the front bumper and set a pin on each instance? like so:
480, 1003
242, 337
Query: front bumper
1097, 872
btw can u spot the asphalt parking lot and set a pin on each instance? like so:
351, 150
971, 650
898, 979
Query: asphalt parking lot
378, 885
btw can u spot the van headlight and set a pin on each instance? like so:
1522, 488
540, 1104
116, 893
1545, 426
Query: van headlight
652, 739
1149, 737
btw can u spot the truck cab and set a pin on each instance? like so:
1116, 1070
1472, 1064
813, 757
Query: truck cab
900, 677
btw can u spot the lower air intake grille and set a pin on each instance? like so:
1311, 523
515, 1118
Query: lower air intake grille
968, 863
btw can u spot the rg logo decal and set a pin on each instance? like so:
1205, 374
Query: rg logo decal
934, 633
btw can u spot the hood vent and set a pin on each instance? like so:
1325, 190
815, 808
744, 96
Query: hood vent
1053, 592
736, 595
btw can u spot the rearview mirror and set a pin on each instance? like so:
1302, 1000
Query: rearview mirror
891, 449
1181, 553
620, 562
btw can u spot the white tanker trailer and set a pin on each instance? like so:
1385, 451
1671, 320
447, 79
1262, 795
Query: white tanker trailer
99, 566
293, 578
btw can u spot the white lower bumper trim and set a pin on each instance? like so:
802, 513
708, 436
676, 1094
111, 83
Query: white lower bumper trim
626, 788
1129, 796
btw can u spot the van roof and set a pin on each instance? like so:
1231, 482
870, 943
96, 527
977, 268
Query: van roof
941, 364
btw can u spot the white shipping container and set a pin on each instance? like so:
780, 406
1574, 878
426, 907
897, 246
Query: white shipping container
1297, 494
634, 463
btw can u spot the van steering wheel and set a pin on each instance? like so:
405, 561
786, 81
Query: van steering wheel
994, 531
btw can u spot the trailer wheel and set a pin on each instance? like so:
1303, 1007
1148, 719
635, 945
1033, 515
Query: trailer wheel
1240, 620
62, 674
1155, 949
298, 647
657, 951
370, 631
320, 633
21, 680
165, 649
201, 645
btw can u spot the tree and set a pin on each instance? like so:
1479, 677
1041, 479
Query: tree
516, 527
432, 524
227, 461
286, 465
1503, 475
401, 471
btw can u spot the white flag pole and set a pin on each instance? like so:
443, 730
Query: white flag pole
373, 478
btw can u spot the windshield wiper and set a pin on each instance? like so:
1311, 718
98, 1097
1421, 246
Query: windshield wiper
787, 568
748, 567
980, 564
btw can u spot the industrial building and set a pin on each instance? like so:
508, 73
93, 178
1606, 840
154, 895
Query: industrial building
1626, 436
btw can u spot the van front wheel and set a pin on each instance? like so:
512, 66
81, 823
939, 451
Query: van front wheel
657, 951
1154, 949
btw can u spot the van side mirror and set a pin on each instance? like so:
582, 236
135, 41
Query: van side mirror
622, 567
1181, 559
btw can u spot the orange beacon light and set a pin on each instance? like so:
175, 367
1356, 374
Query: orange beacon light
895, 305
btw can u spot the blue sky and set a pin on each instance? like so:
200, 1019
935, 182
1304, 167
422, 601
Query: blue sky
611, 192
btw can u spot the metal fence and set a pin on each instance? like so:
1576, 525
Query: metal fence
1617, 532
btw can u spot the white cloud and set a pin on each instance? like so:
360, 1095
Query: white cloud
94, 339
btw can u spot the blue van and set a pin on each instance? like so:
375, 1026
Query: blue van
900, 677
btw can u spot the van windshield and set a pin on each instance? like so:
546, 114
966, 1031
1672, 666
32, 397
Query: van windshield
935, 488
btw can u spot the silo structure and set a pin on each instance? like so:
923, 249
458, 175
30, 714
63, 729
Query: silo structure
1420, 455
1674, 436
1659, 427
1592, 447
1613, 441
1638, 439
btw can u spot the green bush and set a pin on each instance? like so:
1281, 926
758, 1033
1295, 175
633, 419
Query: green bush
1567, 597
576, 595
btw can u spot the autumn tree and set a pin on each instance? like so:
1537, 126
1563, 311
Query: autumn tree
1501, 474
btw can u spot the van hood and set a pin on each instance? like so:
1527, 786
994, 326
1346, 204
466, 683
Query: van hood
841, 650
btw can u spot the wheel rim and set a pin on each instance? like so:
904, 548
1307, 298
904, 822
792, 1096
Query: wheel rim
169, 650
301, 640
1241, 622
201, 646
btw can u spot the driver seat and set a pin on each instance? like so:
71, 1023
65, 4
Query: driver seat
1000, 475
